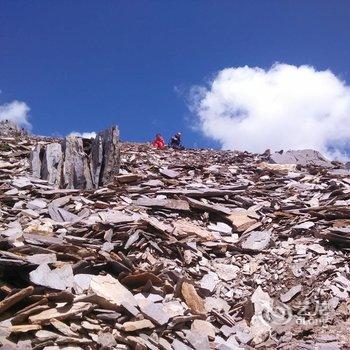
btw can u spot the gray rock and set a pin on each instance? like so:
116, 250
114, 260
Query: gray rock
30, 213
111, 154
291, 293
178, 345
198, 340
257, 240
107, 247
164, 344
13, 231
74, 162
36, 204
174, 308
60, 278
52, 164
115, 217
61, 215
156, 312
39, 259
304, 226
22, 183
220, 227
226, 272
81, 282
12, 192
301, 157
35, 161
172, 174
243, 337
106, 340
218, 304
96, 160
230, 344
153, 183
227, 331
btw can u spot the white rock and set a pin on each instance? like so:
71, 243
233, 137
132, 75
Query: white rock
60, 278
111, 291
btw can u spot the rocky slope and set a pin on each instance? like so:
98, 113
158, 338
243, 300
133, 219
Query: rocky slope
194, 249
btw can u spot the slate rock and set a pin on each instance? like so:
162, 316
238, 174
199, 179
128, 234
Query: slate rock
137, 325
240, 220
52, 164
203, 327
40, 259
257, 240
111, 154
156, 312
111, 292
60, 278
191, 297
37, 204
198, 340
291, 293
35, 161
301, 157
60, 312
75, 163
22, 183
178, 345
172, 174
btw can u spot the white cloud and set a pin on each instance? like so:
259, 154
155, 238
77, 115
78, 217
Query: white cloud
285, 107
15, 111
85, 135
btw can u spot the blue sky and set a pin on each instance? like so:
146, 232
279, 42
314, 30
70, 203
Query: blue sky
83, 65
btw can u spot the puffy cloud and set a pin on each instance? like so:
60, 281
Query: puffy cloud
17, 112
285, 107
85, 135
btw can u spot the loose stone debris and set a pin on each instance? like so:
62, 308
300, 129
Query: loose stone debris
192, 249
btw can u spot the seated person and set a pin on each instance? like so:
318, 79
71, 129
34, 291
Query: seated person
158, 142
175, 141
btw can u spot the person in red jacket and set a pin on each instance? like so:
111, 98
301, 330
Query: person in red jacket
158, 142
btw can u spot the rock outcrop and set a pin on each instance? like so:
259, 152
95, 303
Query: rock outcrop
303, 157
11, 129
78, 163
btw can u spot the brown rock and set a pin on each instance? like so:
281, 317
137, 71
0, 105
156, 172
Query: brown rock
240, 220
187, 228
60, 312
192, 299
137, 325
15, 298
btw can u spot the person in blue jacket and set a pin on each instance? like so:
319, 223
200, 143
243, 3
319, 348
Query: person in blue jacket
175, 141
